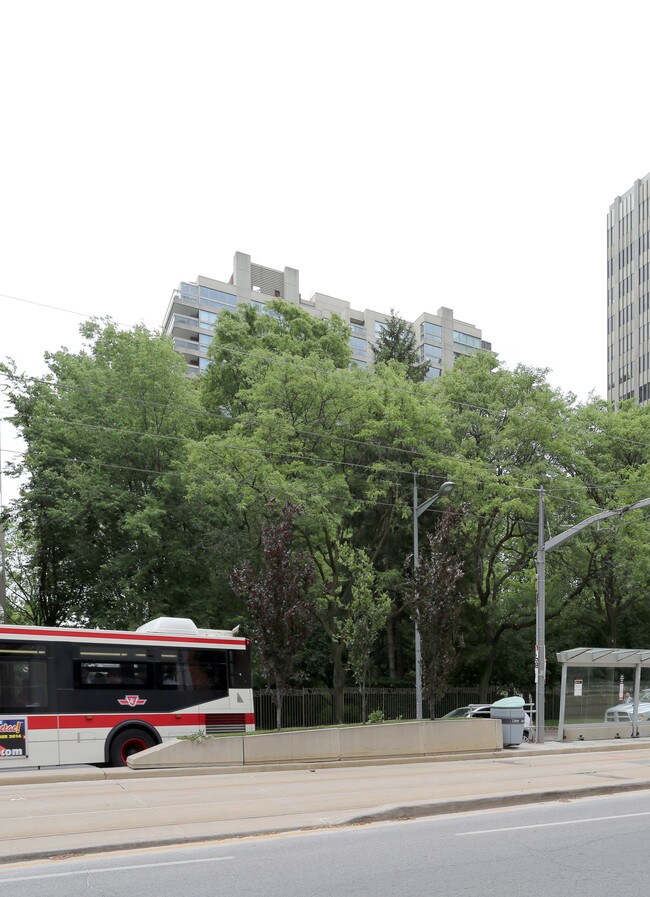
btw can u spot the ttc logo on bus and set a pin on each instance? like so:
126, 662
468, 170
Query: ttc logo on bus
132, 701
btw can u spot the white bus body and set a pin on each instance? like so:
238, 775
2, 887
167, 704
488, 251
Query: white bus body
96, 696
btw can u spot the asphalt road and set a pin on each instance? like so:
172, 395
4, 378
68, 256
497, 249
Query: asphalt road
578, 847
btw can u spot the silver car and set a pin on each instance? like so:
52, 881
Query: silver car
483, 710
622, 713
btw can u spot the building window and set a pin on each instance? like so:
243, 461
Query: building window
431, 353
465, 339
189, 291
205, 339
217, 298
359, 346
209, 318
380, 326
263, 310
430, 332
432, 373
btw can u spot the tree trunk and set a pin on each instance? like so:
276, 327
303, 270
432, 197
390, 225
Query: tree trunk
399, 652
486, 675
390, 648
278, 707
432, 703
338, 681
611, 616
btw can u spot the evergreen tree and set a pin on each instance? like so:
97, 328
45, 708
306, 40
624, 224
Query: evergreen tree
397, 342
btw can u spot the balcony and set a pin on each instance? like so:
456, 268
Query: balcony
188, 348
182, 326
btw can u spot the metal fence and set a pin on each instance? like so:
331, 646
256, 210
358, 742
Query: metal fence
306, 707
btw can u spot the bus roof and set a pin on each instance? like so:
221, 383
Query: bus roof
162, 630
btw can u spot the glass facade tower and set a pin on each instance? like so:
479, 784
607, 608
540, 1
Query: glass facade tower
628, 295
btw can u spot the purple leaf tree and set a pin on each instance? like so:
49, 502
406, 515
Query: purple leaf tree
435, 600
279, 602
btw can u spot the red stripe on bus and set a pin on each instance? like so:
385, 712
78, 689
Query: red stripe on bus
117, 636
106, 721
42, 722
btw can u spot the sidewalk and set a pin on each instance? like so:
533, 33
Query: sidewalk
84, 810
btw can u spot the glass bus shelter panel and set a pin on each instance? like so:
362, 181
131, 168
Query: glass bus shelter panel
593, 693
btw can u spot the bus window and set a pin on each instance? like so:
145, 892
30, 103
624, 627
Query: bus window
240, 669
105, 674
202, 670
169, 675
23, 677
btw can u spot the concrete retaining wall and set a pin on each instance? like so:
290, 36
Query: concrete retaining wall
603, 731
415, 739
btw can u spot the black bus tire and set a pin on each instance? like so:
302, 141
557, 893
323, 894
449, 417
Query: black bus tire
128, 742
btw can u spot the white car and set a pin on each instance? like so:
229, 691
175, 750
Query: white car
622, 713
483, 710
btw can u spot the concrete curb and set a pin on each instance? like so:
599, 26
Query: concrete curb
513, 799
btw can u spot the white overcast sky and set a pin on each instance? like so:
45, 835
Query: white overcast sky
405, 155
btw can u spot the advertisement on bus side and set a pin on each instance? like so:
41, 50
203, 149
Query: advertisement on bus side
13, 738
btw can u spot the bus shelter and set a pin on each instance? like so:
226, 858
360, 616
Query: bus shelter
605, 693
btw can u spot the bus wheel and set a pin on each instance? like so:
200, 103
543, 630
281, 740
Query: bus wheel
128, 742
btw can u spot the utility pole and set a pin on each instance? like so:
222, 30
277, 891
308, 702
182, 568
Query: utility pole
540, 630
445, 489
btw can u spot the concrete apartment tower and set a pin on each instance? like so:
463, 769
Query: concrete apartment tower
194, 307
628, 295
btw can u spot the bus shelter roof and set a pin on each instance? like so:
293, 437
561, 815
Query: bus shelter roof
605, 657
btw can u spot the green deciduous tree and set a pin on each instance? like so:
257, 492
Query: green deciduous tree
363, 617
512, 434
247, 340
612, 465
338, 441
101, 519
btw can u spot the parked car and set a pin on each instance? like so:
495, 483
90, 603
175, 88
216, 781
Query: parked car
622, 713
483, 710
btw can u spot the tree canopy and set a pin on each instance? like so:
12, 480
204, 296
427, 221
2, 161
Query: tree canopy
143, 491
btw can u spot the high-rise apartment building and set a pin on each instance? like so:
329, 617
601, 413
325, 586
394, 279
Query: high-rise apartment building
194, 307
628, 295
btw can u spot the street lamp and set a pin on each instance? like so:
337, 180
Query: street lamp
445, 489
542, 548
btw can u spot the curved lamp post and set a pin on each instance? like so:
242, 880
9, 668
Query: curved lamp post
542, 548
445, 489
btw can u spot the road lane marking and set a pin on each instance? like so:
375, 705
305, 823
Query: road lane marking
519, 828
113, 869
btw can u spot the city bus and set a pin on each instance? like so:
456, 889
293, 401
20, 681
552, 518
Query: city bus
71, 696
